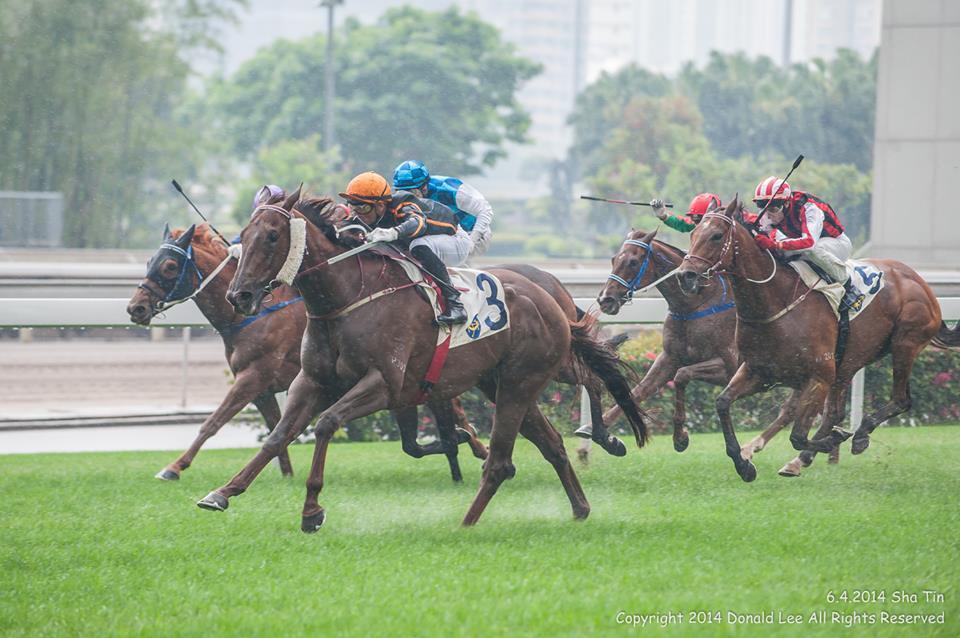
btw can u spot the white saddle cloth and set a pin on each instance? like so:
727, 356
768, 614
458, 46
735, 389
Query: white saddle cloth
482, 296
866, 278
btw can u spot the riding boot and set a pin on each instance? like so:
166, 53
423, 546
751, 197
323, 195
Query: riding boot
851, 297
455, 312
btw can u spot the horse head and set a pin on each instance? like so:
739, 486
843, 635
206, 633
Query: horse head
172, 275
710, 247
630, 270
272, 241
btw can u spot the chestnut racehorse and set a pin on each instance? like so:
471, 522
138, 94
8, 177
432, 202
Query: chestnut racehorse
371, 337
263, 352
697, 343
788, 335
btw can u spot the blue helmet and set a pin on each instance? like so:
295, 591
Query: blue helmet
410, 174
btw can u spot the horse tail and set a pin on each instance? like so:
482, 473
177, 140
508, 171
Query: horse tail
601, 359
947, 338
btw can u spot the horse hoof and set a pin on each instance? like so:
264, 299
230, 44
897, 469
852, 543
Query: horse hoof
166, 474
462, 436
859, 444
613, 446
581, 513
214, 501
681, 444
312, 523
748, 472
789, 470
584, 432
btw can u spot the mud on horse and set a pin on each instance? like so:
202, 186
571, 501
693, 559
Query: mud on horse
262, 351
378, 364
786, 335
697, 344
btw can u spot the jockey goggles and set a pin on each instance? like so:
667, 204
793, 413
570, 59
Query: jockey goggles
777, 203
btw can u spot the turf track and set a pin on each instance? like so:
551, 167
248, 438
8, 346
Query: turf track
91, 544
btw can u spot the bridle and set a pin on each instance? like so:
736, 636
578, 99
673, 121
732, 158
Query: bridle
728, 243
633, 286
183, 289
295, 252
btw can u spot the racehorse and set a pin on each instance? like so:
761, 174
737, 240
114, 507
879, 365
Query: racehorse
263, 351
360, 357
696, 335
788, 336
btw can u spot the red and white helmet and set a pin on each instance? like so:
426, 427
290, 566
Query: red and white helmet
703, 203
772, 188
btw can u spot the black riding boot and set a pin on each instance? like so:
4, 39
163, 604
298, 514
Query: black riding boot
851, 298
455, 312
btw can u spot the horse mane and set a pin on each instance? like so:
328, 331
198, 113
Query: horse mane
203, 238
319, 211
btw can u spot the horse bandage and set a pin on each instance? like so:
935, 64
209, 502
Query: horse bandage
298, 246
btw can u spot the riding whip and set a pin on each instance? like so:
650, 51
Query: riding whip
620, 201
796, 163
177, 186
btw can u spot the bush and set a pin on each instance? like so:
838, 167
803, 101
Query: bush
935, 388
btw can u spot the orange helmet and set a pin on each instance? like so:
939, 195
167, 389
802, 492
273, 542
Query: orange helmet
367, 187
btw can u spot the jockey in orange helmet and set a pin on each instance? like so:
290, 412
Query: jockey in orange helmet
425, 228
699, 206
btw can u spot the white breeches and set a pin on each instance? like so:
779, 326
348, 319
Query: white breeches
830, 254
452, 250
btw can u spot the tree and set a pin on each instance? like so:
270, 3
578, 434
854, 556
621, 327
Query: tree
439, 86
89, 105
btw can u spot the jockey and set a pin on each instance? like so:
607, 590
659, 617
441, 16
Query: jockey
799, 223
268, 193
427, 231
474, 213
699, 206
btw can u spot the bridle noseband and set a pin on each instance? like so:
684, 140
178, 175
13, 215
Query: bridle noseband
729, 241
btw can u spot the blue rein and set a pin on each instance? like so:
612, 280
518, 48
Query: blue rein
237, 327
634, 284
723, 306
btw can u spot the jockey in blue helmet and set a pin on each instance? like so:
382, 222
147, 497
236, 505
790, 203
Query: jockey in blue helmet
473, 211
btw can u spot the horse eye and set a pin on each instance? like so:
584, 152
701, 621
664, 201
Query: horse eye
716, 237
273, 236
633, 262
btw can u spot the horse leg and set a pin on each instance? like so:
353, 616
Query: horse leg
833, 415
743, 384
903, 355
598, 430
810, 404
512, 403
445, 418
406, 419
270, 409
476, 445
305, 399
663, 369
247, 387
369, 395
711, 371
538, 430
784, 417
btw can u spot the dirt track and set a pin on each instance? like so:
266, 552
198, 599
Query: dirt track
91, 376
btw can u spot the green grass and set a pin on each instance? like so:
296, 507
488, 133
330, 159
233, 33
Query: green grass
91, 544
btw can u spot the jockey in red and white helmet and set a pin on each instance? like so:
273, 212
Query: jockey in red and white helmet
800, 223
699, 206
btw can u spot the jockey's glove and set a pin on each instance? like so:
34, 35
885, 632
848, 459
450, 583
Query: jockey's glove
383, 234
658, 208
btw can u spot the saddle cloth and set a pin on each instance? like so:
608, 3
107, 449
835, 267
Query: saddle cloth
481, 294
866, 278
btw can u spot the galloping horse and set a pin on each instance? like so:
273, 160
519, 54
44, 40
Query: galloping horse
360, 357
696, 335
263, 351
788, 336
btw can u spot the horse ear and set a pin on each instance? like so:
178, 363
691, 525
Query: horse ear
732, 206
649, 236
292, 198
166, 232
184, 240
